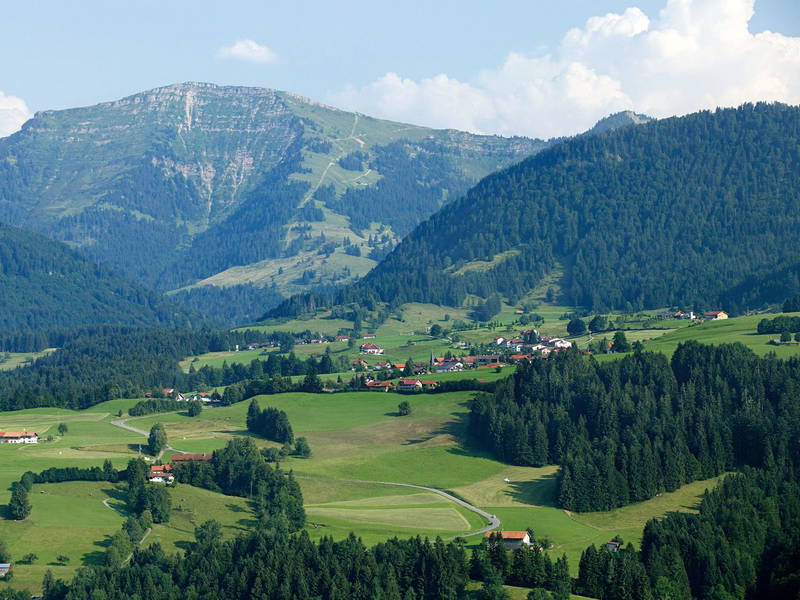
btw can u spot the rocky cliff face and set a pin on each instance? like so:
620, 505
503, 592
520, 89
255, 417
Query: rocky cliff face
195, 182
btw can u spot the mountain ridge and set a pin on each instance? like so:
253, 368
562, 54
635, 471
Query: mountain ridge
685, 211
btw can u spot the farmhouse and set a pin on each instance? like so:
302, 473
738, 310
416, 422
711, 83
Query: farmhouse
613, 546
370, 349
716, 315
409, 385
18, 437
449, 366
512, 539
429, 385
5, 568
342, 338
360, 364
160, 474
380, 386
179, 458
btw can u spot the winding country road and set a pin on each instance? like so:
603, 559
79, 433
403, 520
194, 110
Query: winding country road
122, 423
493, 521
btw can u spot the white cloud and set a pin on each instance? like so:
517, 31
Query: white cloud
249, 51
694, 54
13, 113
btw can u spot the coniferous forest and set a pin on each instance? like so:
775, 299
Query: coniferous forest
626, 430
696, 211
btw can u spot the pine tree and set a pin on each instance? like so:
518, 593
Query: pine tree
19, 507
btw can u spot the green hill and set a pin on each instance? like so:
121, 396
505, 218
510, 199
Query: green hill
44, 285
201, 185
700, 211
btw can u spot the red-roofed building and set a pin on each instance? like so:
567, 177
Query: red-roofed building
370, 349
160, 474
429, 385
613, 546
492, 365
380, 386
511, 539
409, 385
18, 437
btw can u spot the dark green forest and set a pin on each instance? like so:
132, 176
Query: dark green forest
626, 430
699, 211
45, 286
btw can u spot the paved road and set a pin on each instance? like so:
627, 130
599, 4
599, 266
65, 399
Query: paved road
493, 521
124, 425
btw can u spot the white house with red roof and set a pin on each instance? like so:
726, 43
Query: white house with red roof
160, 474
511, 539
18, 437
409, 385
370, 349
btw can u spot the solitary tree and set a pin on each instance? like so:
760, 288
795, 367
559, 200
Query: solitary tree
302, 447
157, 440
62, 428
311, 383
599, 323
19, 506
620, 343
404, 408
409, 368
576, 327
195, 408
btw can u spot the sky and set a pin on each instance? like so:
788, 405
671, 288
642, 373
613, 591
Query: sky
511, 67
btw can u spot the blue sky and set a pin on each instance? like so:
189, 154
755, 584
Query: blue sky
476, 65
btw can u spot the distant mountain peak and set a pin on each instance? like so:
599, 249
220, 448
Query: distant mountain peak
617, 120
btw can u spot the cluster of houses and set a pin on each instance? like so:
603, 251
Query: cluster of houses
711, 315
544, 346
404, 385
440, 364
18, 437
163, 473
173, 394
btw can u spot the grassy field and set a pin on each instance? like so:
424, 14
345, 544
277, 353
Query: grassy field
529, 500
740, 329
11, 360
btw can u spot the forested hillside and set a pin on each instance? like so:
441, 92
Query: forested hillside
194, 181
46, 286
627, 430
699, 211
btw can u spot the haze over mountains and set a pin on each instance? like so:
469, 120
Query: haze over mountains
46, 286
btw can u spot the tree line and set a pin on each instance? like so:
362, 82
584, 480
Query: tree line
640, 217
626, 430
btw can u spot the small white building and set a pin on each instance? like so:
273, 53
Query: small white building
370, 349
18, 437
511, 539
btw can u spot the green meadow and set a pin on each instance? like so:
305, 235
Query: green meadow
360, 448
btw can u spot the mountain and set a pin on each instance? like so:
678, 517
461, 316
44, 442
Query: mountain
201, 185
46, 286
617, 120
692, 211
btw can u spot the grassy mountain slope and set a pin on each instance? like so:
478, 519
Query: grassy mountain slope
690, 211
184, 185
44, 285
